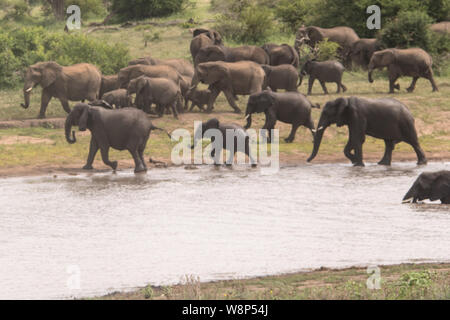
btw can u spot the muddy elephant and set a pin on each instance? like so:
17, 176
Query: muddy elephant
165, 93
413, 62
122, 129
362, 50
288, 107
324, 71
235, 78
160, 71
226, 54
241, 139
441, 27
118, 98
386, 119
73, 83
185, 68
284, 77
430, 186
281, 54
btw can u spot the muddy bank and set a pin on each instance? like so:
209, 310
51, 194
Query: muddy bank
55, 123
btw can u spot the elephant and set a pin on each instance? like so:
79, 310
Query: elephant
183, 67
413, 62
281, 54
73, 83
203, 38
198, 98
441, 27
237, 132
164, 93
118, 98
430, 185
109, 83
210, 33
384, 118
284, 76
121, 129
324, 71
233, 78
362, 50
288, 107
226, 54
160, 71
185, 85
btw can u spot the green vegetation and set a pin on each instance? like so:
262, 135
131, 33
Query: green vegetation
141, 9
406, 281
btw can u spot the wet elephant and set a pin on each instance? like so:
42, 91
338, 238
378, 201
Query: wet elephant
430, 186
74, 83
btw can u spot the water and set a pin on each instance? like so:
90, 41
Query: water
121, 231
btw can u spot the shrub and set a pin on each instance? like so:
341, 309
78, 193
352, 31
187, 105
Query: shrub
327, 50
141, 9
89, 8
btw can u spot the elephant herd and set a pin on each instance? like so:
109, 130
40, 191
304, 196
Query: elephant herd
259, 72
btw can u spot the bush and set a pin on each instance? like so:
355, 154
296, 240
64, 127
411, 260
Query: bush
141, 9
89, 8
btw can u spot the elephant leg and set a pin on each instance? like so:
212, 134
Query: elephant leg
138, 163
344, 88
348, 152
216, 155
212, 99
174, 110
105, 157
421, 158
413, 85
387, 158
392, 85
358, 155
230, 99
141, 154
324, 88
93, 148
230, 159
253, 162
310, 84
338, 87
292, 134
431, 79
45, 99
65, 104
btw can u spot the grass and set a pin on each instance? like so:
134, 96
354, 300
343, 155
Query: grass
405, 281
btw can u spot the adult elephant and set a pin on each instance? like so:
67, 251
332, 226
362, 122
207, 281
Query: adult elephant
362, 50
160, 71
221, 53
122, 129
386, 119
430, 186
281, 54
203, 38
73, 83
185, 68
441, 27
235, 78
413, 62
109, 83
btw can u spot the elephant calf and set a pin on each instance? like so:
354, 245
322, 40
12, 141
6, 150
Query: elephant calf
241, 140
324, 71
430, 185
287, 107
198, 98
118, 98
283, 76
124, 129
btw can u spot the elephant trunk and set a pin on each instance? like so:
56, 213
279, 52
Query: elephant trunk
26, 95
248, 117
300, 80
370, 68
68, 128
318, 135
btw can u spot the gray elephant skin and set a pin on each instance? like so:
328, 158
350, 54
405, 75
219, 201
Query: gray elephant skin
362, 50
74, 83
281, 54
430, 186
185, 68
237, 78
122, 129
109, 83
222, 53
160, 71
241, 140
203, 38
288, 107
118, 98
164, 93
284, 76
386, 119
413, 62
324, 71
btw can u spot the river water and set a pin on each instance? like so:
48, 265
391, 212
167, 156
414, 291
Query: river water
90, 234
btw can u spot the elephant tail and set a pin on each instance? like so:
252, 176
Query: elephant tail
160, 129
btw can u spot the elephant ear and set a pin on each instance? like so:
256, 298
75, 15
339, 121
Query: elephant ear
48, 76
217, 38
267, 69
218, 72
215, 53
82, 123
314, 34
141, 84
342, 111
440, 189
387, 57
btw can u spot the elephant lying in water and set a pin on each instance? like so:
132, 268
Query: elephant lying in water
430, 185
122, 129
386, 119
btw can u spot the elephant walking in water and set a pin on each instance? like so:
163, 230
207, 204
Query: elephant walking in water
74, 83
430, 185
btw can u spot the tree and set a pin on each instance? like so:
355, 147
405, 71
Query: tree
58, 8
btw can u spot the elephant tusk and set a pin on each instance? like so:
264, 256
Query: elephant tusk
321, 128
29, 89
314, 130
246, 117
410, 200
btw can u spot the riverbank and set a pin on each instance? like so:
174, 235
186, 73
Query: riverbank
404, 281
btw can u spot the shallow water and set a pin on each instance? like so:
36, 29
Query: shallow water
124, 230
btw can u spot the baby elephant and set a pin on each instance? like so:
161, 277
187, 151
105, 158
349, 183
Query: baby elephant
284, 76
430, 185
118, 98
198, 98
123, 129
163, 92
241, 140
287, 107
326, 71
